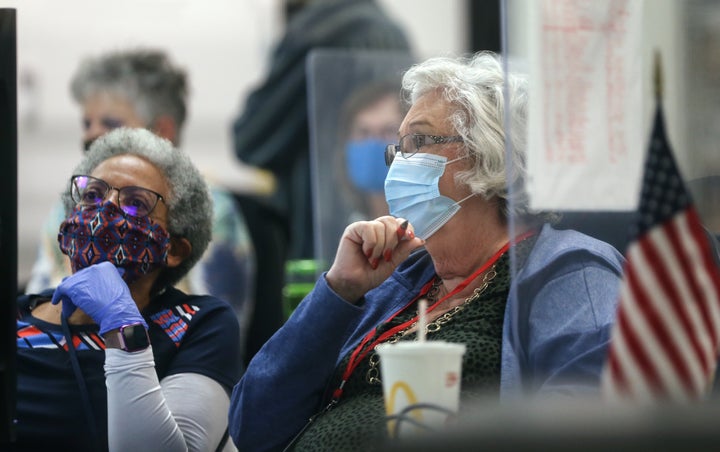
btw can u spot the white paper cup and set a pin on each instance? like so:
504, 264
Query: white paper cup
415, 372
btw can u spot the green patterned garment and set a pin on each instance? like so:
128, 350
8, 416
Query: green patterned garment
357, 422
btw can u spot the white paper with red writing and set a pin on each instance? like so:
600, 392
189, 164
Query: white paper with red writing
586, 130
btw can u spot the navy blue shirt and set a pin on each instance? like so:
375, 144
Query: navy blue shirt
197, 334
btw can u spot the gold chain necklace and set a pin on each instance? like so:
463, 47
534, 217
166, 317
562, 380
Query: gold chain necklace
373, 374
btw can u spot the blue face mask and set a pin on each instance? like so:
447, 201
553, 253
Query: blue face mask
412, 192
365, 163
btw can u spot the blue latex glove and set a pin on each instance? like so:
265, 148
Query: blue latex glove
101, 293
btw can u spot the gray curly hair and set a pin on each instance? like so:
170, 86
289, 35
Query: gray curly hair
475, 85
145, 77
190, 207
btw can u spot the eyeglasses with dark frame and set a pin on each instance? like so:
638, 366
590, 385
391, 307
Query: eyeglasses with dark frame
410, 144
136, 201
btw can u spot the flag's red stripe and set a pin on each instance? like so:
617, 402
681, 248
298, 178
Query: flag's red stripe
637, 351
661, 335
617, 376
673, 297
690, 270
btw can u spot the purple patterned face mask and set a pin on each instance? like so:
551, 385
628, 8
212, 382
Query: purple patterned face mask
94, 234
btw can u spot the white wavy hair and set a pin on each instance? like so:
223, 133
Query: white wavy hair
480, 90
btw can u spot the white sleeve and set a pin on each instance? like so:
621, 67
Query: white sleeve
200, 406
185, 412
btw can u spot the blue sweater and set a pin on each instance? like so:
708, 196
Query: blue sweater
556, 330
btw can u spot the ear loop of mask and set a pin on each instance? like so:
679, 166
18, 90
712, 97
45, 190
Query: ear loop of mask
456, 159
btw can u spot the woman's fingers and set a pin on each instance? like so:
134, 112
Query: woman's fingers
375, 240
387, 233
368, 253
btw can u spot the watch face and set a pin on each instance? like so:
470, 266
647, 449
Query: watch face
134, 337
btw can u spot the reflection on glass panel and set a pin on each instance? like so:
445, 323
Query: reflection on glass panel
702, 74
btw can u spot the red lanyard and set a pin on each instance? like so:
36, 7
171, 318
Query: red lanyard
362, 350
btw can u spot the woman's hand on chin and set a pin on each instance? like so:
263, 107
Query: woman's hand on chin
369, 251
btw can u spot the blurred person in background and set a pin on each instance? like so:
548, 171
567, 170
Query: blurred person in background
271, 133
116, 358
370, 119
351, 171
145, 88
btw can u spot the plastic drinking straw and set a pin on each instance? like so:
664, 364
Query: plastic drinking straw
422, 321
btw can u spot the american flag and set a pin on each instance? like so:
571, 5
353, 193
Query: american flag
664, 344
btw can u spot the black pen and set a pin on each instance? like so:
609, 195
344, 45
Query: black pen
401, 229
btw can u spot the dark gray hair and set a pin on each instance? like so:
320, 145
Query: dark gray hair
190, 207
475, 85
145, 77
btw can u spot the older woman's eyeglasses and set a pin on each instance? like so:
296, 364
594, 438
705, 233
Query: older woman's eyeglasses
410, 144
91, 191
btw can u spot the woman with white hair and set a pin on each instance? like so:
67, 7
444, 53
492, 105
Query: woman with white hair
534, 324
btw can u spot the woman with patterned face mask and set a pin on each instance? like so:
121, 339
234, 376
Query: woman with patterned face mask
115, 357
534, 324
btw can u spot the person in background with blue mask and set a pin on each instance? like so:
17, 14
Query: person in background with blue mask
536, 324
369, 121
350, 170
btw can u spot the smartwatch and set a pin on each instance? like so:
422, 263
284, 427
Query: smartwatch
131, 338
